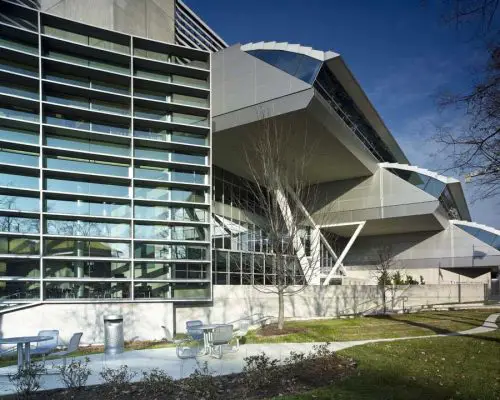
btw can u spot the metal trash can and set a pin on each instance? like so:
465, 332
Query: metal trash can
113, 334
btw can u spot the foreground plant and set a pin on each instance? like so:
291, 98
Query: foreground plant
75, 374
117, 378
201, 384
27, 379
158, 382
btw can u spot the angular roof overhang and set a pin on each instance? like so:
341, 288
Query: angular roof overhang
454, 185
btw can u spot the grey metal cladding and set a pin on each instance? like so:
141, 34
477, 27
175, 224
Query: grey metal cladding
241, 80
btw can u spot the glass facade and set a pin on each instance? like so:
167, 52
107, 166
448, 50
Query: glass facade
242, 253
91, 207
485, 236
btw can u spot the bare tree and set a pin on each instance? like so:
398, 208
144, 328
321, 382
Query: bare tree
384, 268
281, 193
474, 149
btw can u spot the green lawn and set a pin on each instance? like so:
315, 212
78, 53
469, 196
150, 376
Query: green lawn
456, 368
359, 328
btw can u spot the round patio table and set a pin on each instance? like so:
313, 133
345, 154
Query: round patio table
23, 357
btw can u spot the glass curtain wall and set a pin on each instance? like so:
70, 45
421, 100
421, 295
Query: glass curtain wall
242, 254
98, 195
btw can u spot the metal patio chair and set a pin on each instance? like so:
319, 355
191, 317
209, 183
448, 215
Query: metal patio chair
46, 347
194, 334
221, 337
73, 344
243, 326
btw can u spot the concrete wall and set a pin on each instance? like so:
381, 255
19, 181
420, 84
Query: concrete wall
234, 302
449, 248
153, 19
145, 320
141, 320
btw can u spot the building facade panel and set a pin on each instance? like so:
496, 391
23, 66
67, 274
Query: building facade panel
105, 183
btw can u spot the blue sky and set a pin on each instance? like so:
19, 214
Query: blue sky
401, 52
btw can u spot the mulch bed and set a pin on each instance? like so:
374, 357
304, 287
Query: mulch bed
260, 383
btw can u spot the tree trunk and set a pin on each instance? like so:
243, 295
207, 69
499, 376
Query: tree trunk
384, 300
281, 309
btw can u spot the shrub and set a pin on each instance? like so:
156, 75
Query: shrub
115, 378
157, 382
201, 384
27, 378
75, 374
261, 371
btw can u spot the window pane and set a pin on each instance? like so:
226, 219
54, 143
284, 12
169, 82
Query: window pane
87, 228
19, 181
151, 193
189, 138
18, 157
15, 245
87, 208
18, 135
86, 248
155, 173
19, 224
152, 212
18, 290
87, 166
146, 270
152, 250
196, 196
19, 203
19, 268
86, 269
60, 185
86, 290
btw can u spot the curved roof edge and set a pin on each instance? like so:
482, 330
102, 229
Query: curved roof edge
293, 48
445, 179
476, 225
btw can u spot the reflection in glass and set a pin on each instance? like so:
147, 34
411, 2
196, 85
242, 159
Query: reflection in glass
152, 212
86, 248
19, 90
151, 193
19, 203
195, 196
86, 290
151, 270
149, 172
86, 269
190, 290
19, 113
189, 138
101, 127
87, 166
190, 271
86, 228
80, 207
19, 290
17, 245
188, 158
88, 62
13, 267
151, 231
73, 186
152, 250
18, 135
12, 66
90, 145
18, 157
19, 224
18, 181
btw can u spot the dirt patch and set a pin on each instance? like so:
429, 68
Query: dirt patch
272, 330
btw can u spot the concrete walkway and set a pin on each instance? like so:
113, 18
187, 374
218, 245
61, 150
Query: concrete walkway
166, 359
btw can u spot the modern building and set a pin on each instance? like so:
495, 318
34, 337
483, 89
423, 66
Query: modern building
123, 180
